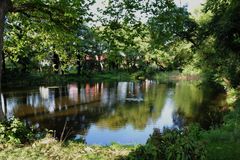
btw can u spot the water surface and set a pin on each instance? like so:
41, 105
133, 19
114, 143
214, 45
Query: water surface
122, 112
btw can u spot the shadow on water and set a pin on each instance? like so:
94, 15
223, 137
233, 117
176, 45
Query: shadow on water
123, 112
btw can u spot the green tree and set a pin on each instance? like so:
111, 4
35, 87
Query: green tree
169, 23
65, 14
221, 31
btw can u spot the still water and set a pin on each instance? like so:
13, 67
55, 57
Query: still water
122, 112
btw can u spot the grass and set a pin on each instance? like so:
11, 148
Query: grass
223, 143
223, 151
50, 149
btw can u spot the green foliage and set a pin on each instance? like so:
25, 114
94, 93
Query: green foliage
36, 30
15, 132
172, 144
222, 142
48, 148
169, 23
125, 39
219, 41
144, 152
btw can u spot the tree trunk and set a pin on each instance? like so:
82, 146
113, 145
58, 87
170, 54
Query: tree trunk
4, 63
3, 10
2, 17
56, 63
99, 63
79, 65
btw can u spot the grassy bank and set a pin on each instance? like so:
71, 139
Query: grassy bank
21, 142
223, 143
50, 149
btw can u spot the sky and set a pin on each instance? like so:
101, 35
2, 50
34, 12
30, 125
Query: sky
192, 5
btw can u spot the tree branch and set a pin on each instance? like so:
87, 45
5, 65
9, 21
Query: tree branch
34, 7
43, 8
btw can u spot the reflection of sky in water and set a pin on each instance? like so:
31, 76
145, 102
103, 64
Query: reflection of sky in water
128, 134
166, 117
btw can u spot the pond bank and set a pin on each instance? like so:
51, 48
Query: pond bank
47, 79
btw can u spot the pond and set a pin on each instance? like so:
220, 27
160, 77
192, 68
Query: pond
106, 112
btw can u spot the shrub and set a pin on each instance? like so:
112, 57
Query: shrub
171, 145
143, 152
15, 132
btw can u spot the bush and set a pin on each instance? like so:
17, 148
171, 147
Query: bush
171, 145
15, 132
144, 152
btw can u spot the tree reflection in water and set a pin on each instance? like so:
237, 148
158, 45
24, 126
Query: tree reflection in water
114, 110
